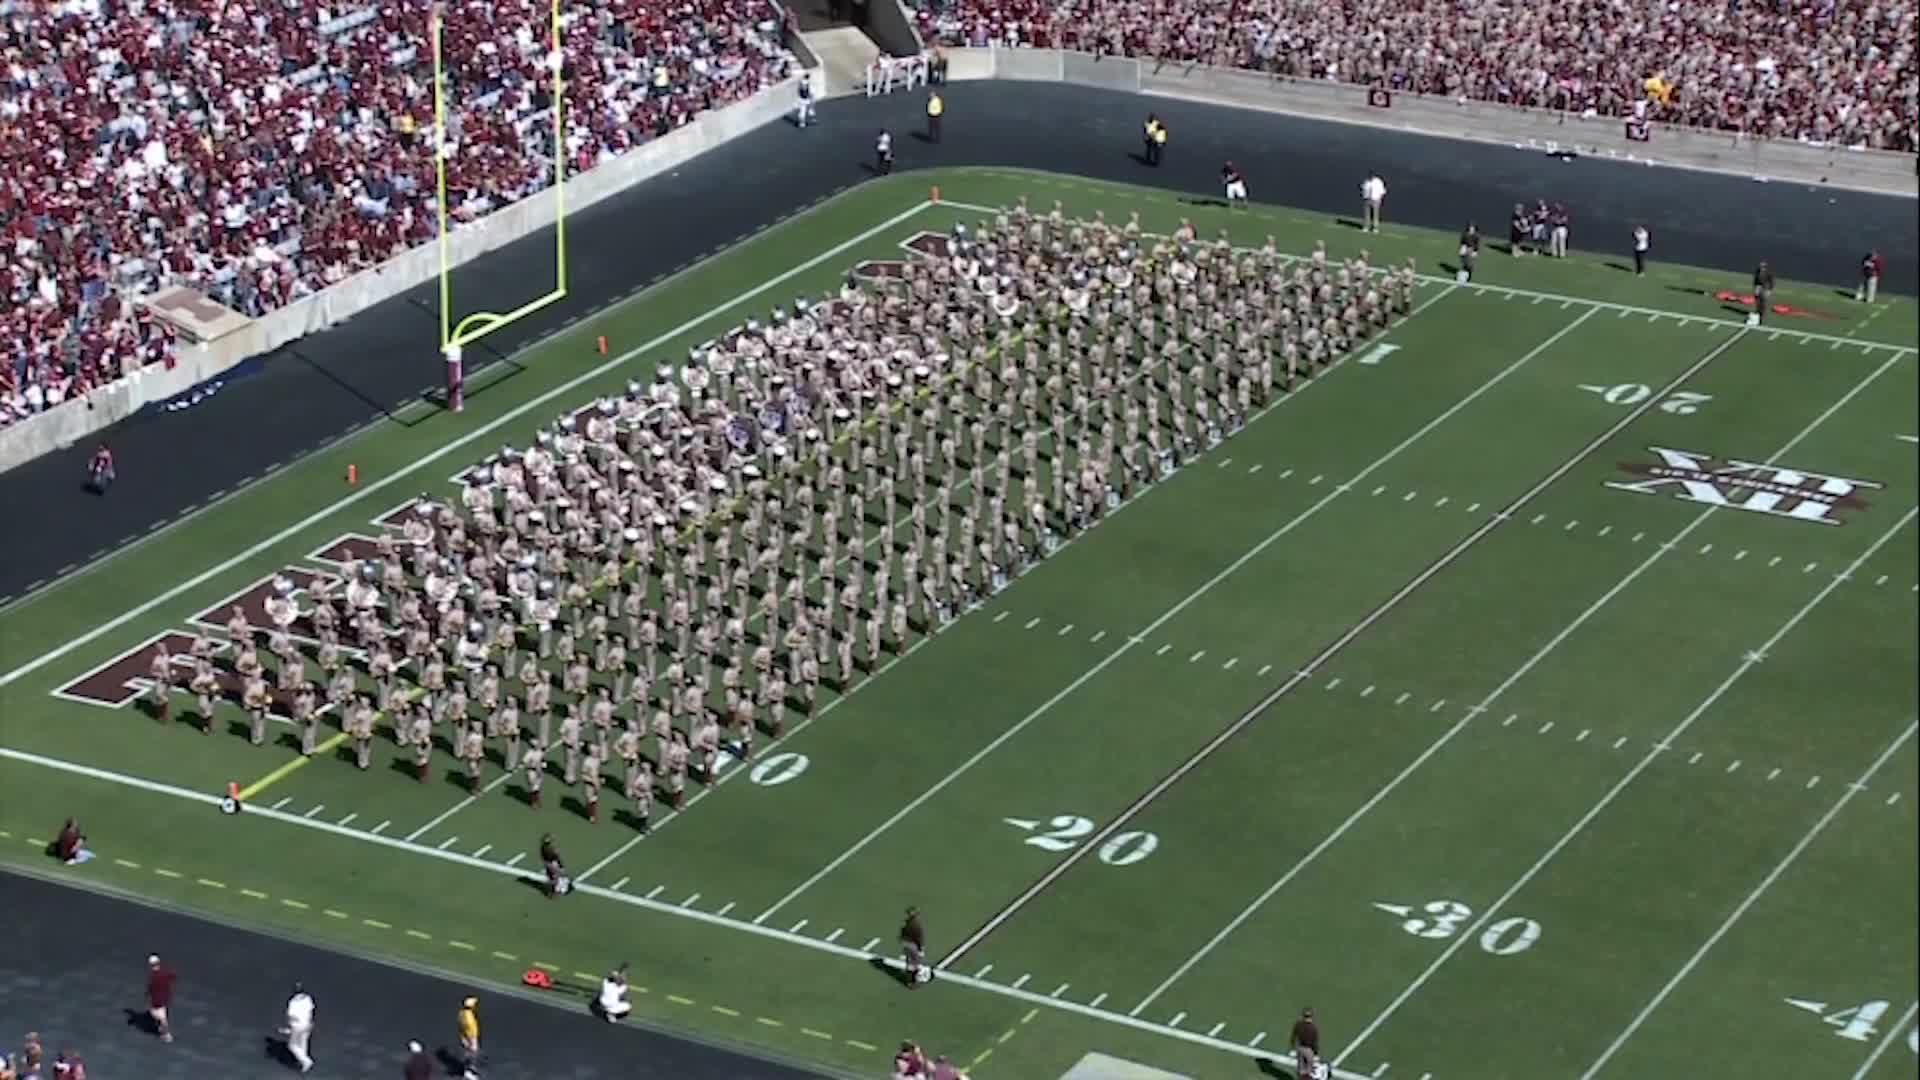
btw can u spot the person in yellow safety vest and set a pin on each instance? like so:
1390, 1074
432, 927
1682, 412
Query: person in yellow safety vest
935, 107
1146, 138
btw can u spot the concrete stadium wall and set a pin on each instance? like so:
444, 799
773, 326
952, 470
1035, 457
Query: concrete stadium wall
73, 420
1877, 171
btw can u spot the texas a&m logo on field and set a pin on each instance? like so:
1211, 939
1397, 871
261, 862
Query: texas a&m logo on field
1777, 490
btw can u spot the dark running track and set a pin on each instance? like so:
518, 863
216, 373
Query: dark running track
74, 970
72, 964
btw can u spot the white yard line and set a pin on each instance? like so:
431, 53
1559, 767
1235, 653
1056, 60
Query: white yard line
441, 818
1533, 661
1893, 1034
365, 491
1753, 897
1746, 664
1167, 616
659, 907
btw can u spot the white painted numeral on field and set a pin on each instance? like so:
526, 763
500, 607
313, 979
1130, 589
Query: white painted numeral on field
1680, 402
1684, 402
779, 768
1856, 1024
1913, 1039
1509, 937
1379, 352
1128, 848
1063, 833
1447, 917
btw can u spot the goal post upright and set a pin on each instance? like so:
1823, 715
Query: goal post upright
455, 334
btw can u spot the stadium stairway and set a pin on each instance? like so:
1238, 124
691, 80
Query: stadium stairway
844, 52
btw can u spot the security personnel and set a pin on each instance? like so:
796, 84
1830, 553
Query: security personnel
1159, 140
935, 107
1150, 139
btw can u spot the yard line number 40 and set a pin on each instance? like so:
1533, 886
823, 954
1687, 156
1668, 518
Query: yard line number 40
1439, 919
1858, 1023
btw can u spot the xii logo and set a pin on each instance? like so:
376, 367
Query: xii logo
1799, 494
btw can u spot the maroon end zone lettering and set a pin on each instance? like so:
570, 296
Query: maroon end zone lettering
123, 677
348, 548
252, 602
929, 245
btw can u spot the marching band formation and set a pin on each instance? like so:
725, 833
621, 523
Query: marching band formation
669, 574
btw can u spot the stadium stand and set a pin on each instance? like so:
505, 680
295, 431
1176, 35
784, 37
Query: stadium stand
1821, 71
259, 151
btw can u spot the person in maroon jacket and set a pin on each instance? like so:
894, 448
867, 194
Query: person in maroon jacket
419, 1063
1871, 267
159, 996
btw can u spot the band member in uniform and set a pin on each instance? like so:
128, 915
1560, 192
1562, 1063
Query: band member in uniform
205, 686
639, 787
534, 763
306, 714
257, 699
420, 739
473, 752
161, 692
676, 768
913, 949
361, 726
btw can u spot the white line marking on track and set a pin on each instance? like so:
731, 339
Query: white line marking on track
830, 938
1258, 1039
1508, 722
1632, 774
1893, 798
1255, 469
1619, 742
1317, 477
447, 843
1775, 561
796, 927
1773, 774
1605, 529
482, 853
981, 974
689, 901
1438, 705
482, 431
1441, 503
1286, 474
1752, 898
1472, 508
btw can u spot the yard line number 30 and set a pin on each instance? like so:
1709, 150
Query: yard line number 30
1440, 919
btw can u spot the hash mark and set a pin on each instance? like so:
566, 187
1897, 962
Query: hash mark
621, 884
1381, 490
657, 890
1893, 798
1060, 990
1228, 666
1164, 650
1410, 496
1382, 1070
1402, 699
1537, 519
1196, 656
1741, 554
316, 809
1097, 637
1620, 742
1705, 548
1809, 568
515, 861
1546, 727
1368, 692
1215, 1030
484, 848
835, 936
1033, 622
1572, 524
1255, 469
1438, 705
1224, 462
1021, 981
1582, 737
1064, 631
1286, 474
1316, 479
283, 802
1775, 562
1812, 782
1441, 503
1733, 767
1605, 529
1508, 722
1637, 537
1334, 685
1472, 508
1882, 581
444, 844
1177, 1017
1001, 616
868, 947
1263, 671
1695, 759
348, 820
1257, 1039
797, 927
1773, 774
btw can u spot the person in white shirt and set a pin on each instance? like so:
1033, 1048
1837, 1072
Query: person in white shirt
613, 995
299, 1028
803, 111
883, 152
1642, 242
1373, 192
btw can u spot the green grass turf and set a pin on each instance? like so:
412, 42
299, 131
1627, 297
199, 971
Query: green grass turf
1555, 726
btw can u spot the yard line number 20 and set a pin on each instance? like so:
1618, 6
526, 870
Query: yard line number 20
1066, 831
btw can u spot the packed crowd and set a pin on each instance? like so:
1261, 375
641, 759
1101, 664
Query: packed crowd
262, 150
665, 575
1828, 71
31, 1063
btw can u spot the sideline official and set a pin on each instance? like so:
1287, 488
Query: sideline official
1154, 136
936, 108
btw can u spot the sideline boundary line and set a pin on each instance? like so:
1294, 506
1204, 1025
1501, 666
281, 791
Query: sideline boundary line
1846, 796
1486, 703
1141, 635
358, 494
661, 907
1893, 1033
1747, 663
1311, 667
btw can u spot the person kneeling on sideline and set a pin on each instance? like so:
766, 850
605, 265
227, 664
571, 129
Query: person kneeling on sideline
613, 1002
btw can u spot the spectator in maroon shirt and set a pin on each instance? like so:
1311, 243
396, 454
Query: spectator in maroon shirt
419, 1063
159, 996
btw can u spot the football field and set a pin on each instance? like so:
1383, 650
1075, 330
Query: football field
1532, 694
